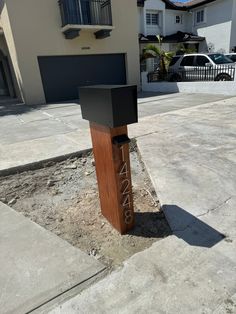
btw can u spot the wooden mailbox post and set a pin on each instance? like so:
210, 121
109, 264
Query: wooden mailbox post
109, 109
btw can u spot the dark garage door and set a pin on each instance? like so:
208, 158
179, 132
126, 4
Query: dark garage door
62, 75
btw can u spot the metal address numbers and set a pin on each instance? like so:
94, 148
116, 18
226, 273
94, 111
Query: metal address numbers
125, 189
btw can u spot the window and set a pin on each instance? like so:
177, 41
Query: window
200, 16
152, 19
173, 61
218, 58
201, 61
231, 57
187, 61
178, 19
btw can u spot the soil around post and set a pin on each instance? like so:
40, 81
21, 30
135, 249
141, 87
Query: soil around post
63, 198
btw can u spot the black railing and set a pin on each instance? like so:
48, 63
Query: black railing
219, 73
140, 3
86, 12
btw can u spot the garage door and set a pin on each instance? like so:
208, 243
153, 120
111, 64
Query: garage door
62, 75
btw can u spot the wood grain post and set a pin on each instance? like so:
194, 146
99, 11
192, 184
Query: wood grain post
113, 175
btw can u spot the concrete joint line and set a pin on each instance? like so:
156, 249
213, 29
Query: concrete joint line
215, 208
147, 134
21, 120
56, 119
47, 114
90, 280
201, 215
211, 103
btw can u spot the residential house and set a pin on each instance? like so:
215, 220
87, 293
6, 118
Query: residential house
216, 21
203, 25
48, 48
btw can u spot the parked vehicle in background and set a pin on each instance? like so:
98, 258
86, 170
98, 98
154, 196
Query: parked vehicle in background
194, 67
231, 56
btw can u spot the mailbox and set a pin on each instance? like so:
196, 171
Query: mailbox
109, 105
109, 109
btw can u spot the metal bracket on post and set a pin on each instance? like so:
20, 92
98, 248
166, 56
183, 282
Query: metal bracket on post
109, 109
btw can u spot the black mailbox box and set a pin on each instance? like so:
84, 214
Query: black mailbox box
109, 105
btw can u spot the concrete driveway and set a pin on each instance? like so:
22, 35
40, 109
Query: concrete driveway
190, 155
30, 134
188, 144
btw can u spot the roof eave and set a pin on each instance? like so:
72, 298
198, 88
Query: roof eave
169, 5
189, 7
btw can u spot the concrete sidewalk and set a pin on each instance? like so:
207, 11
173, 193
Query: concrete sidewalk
190, 155
32, 134
37, 266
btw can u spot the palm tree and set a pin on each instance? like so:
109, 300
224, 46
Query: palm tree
181, 49
153, 51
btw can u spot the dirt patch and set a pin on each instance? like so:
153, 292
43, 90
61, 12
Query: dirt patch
63, 198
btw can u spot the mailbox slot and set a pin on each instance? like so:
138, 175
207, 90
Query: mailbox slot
121, 140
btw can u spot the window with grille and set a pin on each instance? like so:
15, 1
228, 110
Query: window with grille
178, 19
152, 18
200, 16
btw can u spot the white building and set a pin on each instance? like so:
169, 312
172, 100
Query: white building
205, 25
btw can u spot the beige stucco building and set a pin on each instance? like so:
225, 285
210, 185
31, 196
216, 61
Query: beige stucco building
48, 49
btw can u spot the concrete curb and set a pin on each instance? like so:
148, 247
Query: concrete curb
41, 163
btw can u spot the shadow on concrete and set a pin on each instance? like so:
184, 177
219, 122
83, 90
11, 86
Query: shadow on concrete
70, 101
192, 230
10, 106
150, 225
176, 221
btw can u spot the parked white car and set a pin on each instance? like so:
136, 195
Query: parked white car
201, 67
231, 56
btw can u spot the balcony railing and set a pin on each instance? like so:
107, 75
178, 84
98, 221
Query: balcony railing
86, 12
140, 3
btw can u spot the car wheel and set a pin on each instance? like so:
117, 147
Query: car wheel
223, 77
176, 78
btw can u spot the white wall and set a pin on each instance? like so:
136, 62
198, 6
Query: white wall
171, 26
217, 27
167, 19
189, 22
155, 5
141, 20
155, 29
218, 88
233, 29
